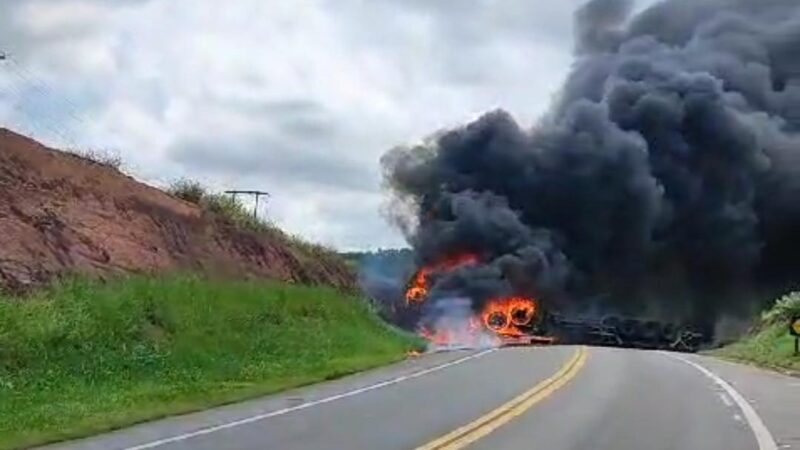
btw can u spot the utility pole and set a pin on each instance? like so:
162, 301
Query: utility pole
256, 194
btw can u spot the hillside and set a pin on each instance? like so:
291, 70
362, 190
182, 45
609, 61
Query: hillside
64, 214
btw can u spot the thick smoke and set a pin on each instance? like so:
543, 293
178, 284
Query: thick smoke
665, 181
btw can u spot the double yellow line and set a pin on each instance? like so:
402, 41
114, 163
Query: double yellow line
495, 419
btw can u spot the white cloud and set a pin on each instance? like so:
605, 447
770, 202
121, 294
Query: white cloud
298, 97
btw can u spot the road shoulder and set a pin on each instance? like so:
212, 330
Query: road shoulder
148, 432
776, 397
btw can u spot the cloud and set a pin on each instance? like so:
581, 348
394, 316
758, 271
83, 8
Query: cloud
298, 97
275, 160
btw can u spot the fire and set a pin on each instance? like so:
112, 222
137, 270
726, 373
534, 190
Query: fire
467, 335
421, 284
506, 316
419, 287
505, 319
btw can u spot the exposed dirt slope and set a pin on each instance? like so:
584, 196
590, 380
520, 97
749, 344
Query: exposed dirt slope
61, 214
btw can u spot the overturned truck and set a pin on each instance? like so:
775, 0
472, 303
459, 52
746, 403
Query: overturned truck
521, 326
452, 320
627, 332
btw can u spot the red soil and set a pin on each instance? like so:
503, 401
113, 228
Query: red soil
62, 214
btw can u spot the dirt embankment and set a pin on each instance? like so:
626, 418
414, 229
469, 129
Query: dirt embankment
62, 214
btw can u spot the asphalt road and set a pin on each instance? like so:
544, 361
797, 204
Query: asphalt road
554, 398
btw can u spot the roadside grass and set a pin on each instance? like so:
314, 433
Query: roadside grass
769, 344
772, 348
88, 356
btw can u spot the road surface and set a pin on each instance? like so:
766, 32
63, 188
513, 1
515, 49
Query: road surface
554, 398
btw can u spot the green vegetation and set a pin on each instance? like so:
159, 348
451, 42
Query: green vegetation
785, 309
769, 344
86, 356
236, 213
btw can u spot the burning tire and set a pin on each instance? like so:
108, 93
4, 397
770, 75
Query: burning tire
521, 316
496, 321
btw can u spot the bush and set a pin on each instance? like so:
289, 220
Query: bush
188, 190
235, 212
785, 308
225, 206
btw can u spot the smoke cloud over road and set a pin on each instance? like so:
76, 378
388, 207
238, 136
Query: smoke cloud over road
664, 181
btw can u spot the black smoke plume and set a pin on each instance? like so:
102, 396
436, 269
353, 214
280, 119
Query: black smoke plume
664, 181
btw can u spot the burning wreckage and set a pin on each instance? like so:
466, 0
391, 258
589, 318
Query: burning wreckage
519, 320
659, 189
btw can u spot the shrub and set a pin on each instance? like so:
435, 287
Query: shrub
188, 190
234, 211
785, 308
225, 206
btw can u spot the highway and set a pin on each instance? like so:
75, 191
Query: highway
554, 398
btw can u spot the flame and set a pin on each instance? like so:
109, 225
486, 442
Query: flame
506, 316
419, 287
421, 283
467, 336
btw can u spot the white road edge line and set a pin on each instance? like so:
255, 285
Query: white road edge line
728, 402
762, 434
280, 412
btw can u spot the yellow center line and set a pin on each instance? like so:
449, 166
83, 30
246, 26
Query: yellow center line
507, 412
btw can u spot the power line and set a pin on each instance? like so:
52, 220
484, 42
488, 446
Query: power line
43, 123
44, 87
47, 105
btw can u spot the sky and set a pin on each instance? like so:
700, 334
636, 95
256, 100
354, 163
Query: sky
296, 97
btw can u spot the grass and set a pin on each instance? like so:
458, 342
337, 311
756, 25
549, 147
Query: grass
769, 344
236, 213
86, 356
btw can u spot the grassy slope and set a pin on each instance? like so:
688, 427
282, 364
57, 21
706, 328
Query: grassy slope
772, 347
770, 344
87, 356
